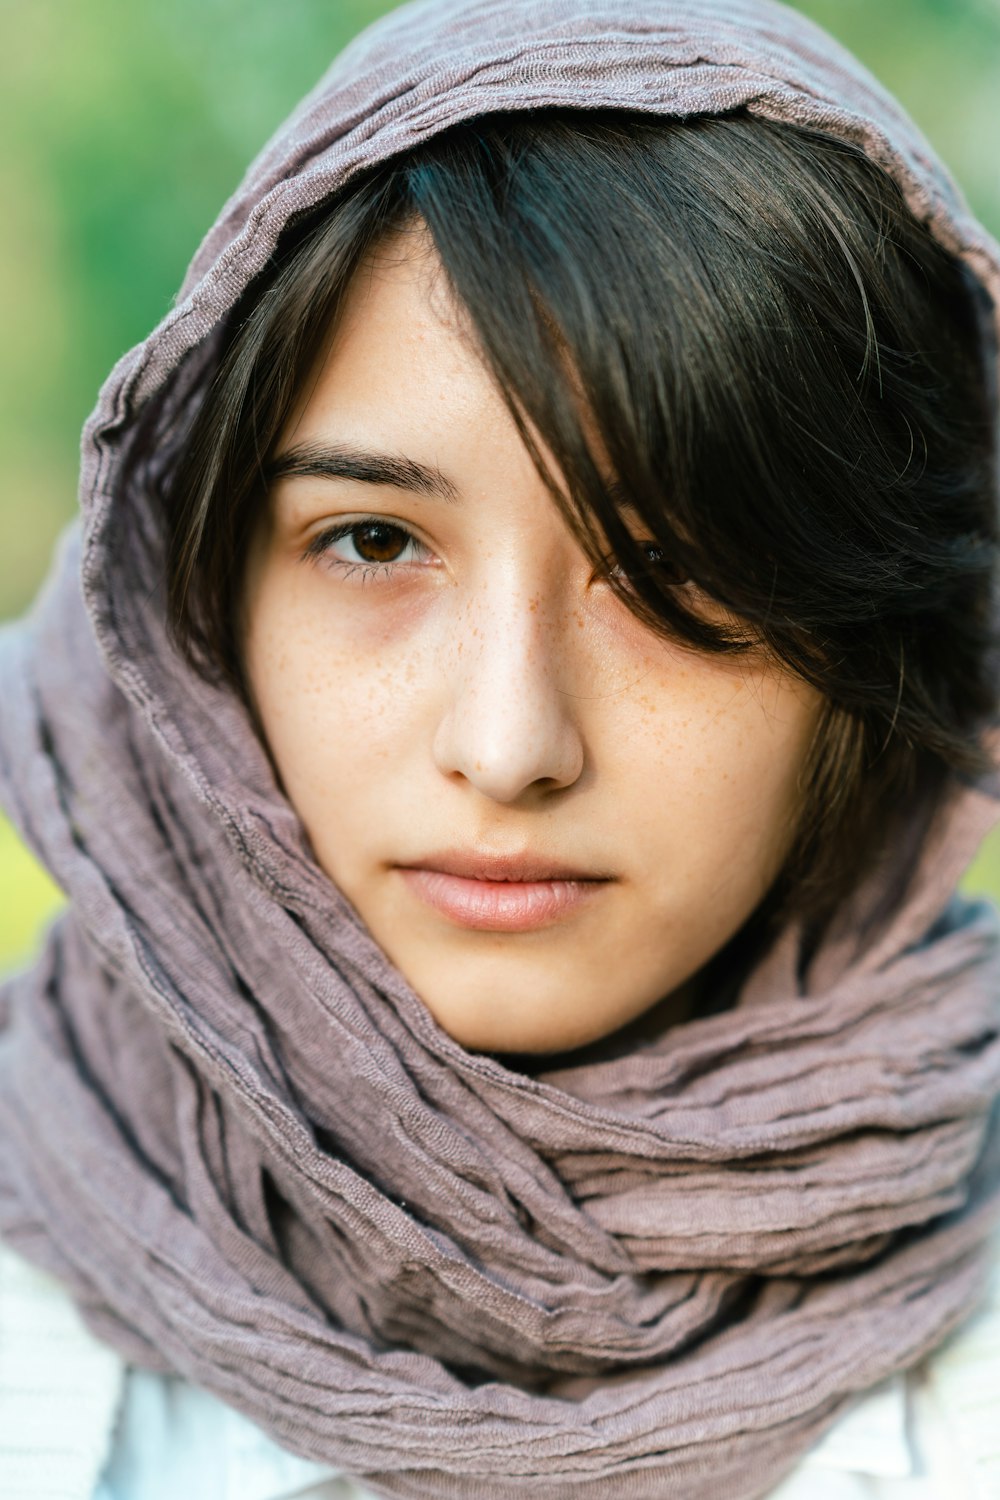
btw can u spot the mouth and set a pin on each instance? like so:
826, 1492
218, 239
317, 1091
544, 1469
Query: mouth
501, 893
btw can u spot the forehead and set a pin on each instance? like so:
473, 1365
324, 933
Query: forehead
396, 326
401, 367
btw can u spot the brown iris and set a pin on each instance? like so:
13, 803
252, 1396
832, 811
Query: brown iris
378, 542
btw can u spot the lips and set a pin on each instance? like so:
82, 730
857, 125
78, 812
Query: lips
501, 893
474, 865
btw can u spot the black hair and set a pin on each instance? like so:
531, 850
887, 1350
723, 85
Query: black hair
788, 377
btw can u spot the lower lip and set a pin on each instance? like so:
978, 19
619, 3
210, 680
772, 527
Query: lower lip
500, 905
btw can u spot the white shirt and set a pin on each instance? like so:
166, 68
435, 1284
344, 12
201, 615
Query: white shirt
78, 1424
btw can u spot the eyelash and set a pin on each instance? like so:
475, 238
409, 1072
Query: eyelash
320, 548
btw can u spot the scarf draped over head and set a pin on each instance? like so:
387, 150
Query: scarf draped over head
238, 1136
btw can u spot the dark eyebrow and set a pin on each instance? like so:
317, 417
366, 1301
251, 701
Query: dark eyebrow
337, 461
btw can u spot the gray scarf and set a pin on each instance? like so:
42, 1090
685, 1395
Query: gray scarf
231, 1128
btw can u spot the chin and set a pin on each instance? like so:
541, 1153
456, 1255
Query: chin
498, 1027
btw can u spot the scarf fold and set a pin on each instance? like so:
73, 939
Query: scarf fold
234, 1131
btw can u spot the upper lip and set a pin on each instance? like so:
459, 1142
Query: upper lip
483, 865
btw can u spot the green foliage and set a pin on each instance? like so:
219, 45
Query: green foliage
28, 900
983, 876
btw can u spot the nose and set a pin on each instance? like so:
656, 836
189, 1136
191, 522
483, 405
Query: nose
508, 726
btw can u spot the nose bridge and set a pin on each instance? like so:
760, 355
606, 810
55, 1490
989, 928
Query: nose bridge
509, 722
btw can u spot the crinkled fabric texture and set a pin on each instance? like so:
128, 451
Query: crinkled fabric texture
243, 1142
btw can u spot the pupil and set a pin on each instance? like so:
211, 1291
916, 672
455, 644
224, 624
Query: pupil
379, 543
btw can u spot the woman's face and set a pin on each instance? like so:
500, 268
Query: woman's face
548, 817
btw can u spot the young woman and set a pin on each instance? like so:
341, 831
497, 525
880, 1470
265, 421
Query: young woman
532, 693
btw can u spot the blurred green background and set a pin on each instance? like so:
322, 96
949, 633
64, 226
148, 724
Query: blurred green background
126, 123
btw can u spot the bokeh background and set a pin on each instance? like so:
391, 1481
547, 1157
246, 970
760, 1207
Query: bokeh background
124, 124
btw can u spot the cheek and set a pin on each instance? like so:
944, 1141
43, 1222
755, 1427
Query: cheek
713, 765
337, 699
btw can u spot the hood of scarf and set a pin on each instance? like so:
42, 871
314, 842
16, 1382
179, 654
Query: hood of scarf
230, 1126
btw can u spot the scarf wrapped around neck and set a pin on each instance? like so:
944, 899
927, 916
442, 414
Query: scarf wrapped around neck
231, 1128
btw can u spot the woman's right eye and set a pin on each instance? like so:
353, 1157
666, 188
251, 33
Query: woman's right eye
372, 545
